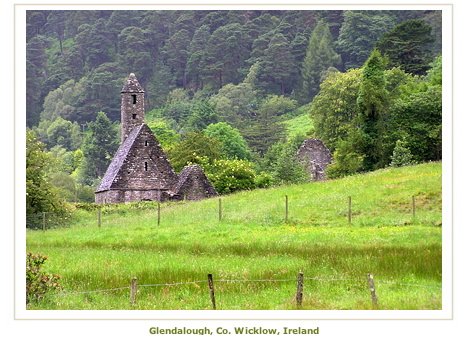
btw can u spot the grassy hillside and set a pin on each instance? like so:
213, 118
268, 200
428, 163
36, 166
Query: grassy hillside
253, 247
299, 125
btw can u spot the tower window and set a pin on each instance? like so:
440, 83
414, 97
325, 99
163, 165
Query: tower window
146, 166
134, 116
146, 142
134, 99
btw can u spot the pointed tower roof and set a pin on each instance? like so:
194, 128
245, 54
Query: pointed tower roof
132, 84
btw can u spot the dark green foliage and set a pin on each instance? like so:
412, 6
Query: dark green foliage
347, 158
407, 46
203, 114
372, 103
247, 68
359, 34
261, 132
319, 57
283, 163
38, 282
99, 146
417, 120
277, 64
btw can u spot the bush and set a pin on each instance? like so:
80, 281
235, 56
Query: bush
228, 176
401, 155
38, 283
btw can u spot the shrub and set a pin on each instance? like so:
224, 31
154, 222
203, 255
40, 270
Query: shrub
401, 155
232, 175
38, 283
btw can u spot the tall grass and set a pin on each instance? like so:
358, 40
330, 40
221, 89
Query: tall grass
253, 242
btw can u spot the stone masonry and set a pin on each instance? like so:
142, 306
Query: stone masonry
140, 170
314, 154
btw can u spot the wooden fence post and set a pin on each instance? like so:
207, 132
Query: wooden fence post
413, 207
300, 287
371, 284
158, 214
220, 210
133, 290
287, 209
99, 218
212, 290
350, 210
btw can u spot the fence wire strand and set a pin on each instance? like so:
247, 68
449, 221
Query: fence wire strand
241, 280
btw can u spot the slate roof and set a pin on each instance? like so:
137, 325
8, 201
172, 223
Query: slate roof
118, 160
187, 175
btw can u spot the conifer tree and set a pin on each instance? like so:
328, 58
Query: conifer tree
99, 147
319, 57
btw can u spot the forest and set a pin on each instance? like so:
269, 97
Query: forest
235, 91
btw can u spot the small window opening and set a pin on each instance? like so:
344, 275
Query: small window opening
134, 99
146, 166
146, 142
134, 116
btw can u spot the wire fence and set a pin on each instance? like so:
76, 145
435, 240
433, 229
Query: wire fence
348, 211
298, 297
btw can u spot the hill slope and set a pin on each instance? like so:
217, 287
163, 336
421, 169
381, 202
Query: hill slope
253, 243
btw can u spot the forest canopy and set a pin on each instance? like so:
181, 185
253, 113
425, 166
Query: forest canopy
365, 82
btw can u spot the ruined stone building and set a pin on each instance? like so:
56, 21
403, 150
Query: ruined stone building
140, 169
316, 156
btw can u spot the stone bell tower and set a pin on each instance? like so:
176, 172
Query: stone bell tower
132, 106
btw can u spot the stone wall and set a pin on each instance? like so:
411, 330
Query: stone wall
316, 157
146, 165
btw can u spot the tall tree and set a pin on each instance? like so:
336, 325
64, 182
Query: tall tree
319, 57
99, 147
176, 55
407, 46
335, 107
372, 103
278, 64
359, 33
197, 56
226, 54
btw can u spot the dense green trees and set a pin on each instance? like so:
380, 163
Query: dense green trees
99, 147
407, 46
219, 84
372, 117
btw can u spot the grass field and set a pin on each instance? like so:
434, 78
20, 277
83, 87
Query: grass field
254, 253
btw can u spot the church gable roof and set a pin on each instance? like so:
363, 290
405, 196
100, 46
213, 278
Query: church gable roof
118, 160
193, 182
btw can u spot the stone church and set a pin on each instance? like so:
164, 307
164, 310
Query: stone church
140, 169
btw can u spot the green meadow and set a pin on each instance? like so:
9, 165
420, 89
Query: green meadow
255, 249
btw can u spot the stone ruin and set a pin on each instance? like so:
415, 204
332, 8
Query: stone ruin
316, 157
140, 170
